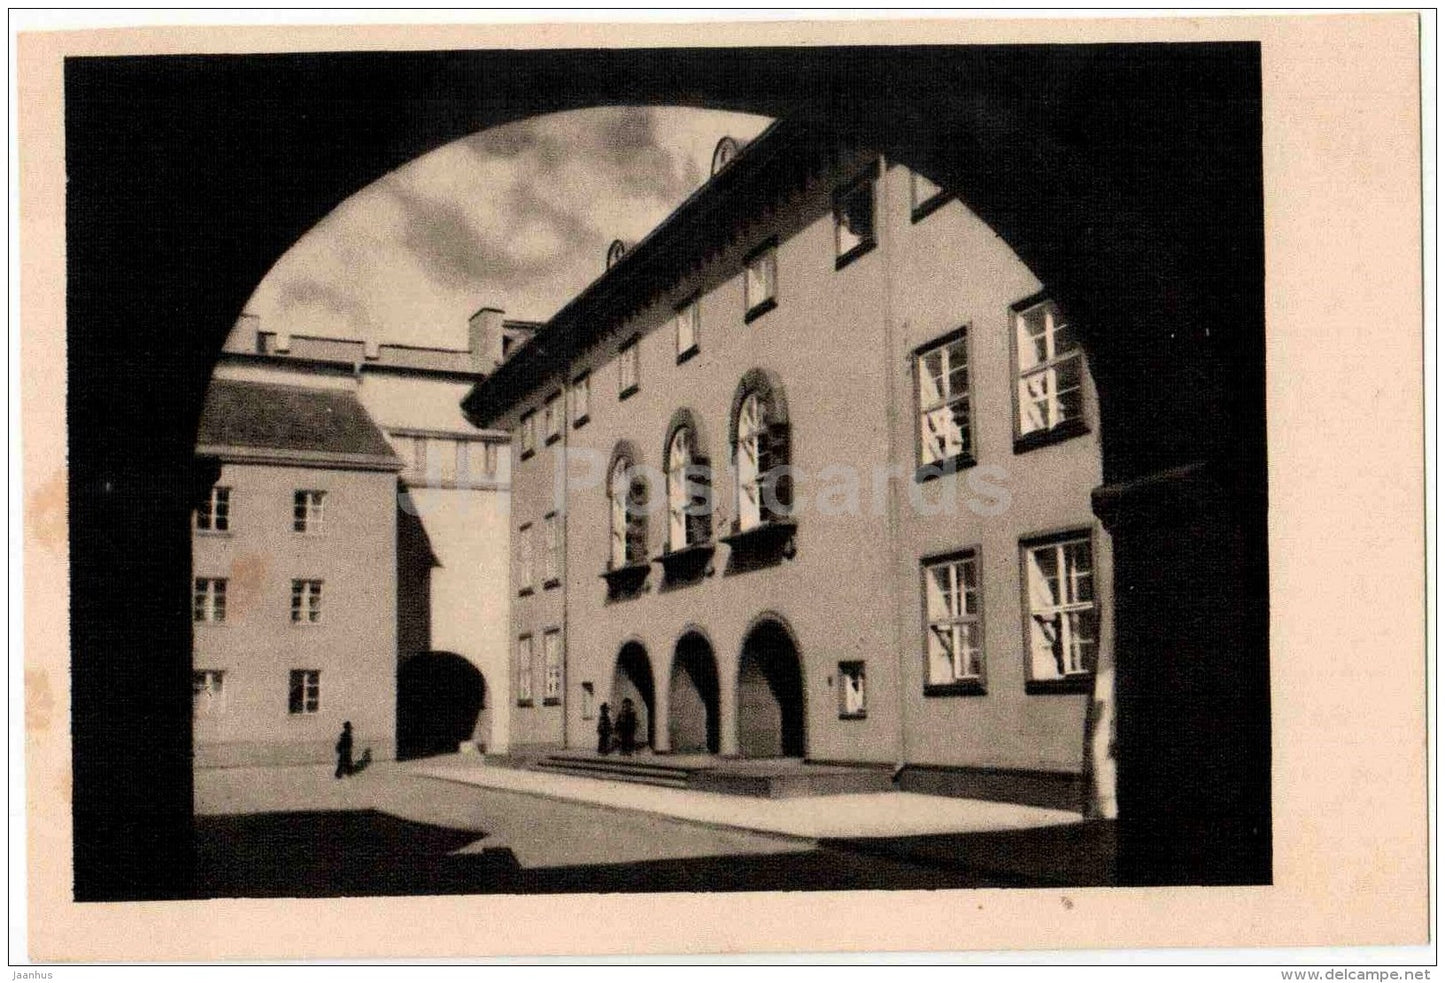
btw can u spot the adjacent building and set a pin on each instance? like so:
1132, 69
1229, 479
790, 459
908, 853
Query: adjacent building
398, 580
807, 472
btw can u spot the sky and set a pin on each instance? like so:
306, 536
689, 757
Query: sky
516, 217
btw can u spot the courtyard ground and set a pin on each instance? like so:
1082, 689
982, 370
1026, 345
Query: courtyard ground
300, 832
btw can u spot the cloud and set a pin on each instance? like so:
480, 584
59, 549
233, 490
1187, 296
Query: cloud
518, 216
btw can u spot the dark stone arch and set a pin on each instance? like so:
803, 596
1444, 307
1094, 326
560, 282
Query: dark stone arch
772, 400
632, 679
439, 698
771, 700
693, 703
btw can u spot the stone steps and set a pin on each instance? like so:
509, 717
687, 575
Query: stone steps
615, 769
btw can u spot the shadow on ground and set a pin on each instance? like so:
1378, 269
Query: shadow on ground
368, 853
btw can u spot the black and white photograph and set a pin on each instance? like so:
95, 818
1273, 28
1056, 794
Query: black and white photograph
727, 470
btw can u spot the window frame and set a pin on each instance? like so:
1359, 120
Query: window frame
217, 700
527, 436
310, 601
1080, 682
1066, 429
552, 418
844, 667
310, 702
215, 590
217, 509
965, 685
966, 458
919, 209
692, 305
552, 682
526, 561
866, 244
629, 350
308, 511
752, 310
581, 383
553, 559
525, 670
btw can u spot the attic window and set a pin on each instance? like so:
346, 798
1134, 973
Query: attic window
615, 252
726, 149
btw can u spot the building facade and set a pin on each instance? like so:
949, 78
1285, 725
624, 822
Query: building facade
440, 543
807, 472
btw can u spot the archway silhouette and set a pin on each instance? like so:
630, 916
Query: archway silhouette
771, 708
693, 697
1127, 177
439, 699
632, 680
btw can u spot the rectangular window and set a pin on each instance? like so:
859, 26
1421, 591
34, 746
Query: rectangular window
1062, 629
552, 559
209, 599
760, 282
1051, 375
954, 648
552, 675
581, 399
853, 231
529, 434
852, 691
214, 514
627, 369
924, 196
308, 512
208, 692
524, 559
418, 454
688, 324
589, 702
305, 602
305, 696
524, 671
552, 418
945, 436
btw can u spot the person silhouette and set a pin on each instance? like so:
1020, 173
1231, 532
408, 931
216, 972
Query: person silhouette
604, 729
343, 751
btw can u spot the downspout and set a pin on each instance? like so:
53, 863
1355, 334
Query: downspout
890, 395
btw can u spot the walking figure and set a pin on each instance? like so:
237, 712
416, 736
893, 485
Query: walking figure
627, 727
604, 729
343, 751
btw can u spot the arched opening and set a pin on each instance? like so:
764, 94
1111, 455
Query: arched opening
693, 703
632, 680
770, 695
440, 698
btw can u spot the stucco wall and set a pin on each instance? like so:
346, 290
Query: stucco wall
353, 646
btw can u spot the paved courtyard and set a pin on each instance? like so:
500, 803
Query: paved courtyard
299, 832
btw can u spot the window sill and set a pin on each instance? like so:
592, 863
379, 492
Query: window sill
630, 390
214, 533
305, 624
964, 687
552, 701
688, 354
1045, 438
527, 453
947, 466
551, 582
927, 207
858, 251
551, 439
774, 535
1069, 684
687, 563
853, 716
581, 422
526, 592
626, 580
524, 703
759, 309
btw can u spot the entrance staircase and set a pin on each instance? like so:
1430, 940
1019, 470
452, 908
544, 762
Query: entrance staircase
769, 778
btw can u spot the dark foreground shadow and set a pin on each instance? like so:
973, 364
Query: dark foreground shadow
370, 853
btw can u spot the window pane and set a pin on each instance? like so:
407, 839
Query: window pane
940, 653
853, 218
932, 378
1033, 345
922, 189
1043, 570
760, 279
969, 661
1046, 645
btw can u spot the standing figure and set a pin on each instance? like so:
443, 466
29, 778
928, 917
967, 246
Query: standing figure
343, 751
604, 729
627, 727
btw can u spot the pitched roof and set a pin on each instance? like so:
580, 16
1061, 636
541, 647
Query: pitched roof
265, 416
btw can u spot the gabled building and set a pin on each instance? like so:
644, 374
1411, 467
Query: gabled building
807, 472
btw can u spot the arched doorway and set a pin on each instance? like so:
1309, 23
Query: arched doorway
632, 680
770, 694
693, 697
440, 697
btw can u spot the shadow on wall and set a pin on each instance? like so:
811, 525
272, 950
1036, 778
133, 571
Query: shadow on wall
440, 697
